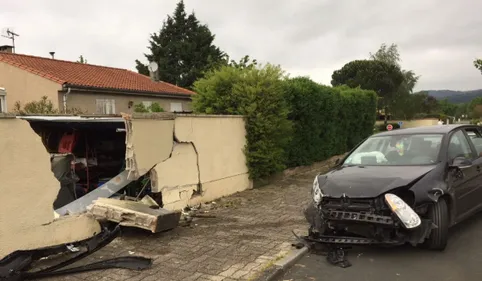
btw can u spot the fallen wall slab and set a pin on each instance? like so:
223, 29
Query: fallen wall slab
135, 214
106, 190
28, 189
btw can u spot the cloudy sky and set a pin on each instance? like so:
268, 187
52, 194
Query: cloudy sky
438, 39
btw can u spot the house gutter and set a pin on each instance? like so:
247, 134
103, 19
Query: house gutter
66, 94
127, 92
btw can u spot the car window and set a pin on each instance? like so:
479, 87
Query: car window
476, 139
400, 149
459, 146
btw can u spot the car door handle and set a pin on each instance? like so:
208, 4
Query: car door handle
478, 169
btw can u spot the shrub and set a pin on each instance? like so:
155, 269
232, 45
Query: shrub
154, 107
141, 108
326, 121
43, 106
256, 93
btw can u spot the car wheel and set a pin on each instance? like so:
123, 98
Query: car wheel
439, 214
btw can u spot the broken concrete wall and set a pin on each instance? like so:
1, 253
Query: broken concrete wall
148, 144
205, 162
28, 189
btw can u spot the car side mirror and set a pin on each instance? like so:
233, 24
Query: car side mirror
461, 162
337, 161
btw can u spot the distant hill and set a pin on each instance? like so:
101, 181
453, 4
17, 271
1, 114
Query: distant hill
455, 96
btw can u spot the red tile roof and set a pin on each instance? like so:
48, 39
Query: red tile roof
88, 75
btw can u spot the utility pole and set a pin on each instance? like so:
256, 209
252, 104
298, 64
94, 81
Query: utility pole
11, 35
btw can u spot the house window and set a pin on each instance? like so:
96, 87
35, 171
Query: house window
105, 106
147, 104
3, 104
176, 107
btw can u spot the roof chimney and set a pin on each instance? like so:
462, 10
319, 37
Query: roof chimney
52, 54
6, 49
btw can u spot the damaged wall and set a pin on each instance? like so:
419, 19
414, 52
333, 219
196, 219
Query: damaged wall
28, 189
205, 162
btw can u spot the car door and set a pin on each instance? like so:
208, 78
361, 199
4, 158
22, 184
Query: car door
463, 180
475, 140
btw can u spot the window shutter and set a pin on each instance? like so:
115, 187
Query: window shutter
176, 107
100, 106
112, 103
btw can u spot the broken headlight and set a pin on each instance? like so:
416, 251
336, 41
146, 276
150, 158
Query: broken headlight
317, 194
407, 215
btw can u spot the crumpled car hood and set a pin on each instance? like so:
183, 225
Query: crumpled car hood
369, 181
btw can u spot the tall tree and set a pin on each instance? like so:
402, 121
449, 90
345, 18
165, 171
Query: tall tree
183, 49
400, 103
82, 59
388, 54
244, 62
382, 77
478, 64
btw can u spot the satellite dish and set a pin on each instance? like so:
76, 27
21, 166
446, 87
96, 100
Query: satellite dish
153, 66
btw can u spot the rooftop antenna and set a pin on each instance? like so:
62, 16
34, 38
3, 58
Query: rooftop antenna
10, 34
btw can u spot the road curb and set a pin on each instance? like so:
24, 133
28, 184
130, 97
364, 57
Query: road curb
282, 265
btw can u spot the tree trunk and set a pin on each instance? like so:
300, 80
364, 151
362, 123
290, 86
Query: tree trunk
386, 115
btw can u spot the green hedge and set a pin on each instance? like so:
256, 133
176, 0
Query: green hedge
289, 122
257, 94
326, 120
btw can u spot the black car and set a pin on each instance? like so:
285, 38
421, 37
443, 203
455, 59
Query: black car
406, 185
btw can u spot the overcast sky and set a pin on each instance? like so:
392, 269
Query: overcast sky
438, 39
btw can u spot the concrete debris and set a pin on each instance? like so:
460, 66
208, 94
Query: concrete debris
150, 202
135, 214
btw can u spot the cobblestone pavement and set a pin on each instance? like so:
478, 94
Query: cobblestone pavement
249, 231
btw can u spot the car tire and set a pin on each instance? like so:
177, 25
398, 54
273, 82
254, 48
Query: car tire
439, 214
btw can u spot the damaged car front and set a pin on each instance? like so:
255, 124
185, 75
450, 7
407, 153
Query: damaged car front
381, 193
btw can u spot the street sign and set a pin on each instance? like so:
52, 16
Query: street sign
400, 123
389, 127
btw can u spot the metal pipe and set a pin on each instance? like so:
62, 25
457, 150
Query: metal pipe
65, 99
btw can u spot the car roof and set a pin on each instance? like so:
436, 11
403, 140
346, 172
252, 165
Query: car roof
436, 129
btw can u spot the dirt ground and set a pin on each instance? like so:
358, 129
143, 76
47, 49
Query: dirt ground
248, 231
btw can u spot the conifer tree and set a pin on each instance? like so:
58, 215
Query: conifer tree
183, 49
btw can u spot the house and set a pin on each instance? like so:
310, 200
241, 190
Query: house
91, 88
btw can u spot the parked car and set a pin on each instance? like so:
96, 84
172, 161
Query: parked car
407, 185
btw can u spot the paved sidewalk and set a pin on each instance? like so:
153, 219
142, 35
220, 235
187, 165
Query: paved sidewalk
250, 230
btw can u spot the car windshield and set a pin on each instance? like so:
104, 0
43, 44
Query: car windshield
413, 149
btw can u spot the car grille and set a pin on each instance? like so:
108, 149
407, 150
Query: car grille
372, 205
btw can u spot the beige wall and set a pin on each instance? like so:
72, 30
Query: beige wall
190, 158
208, 151
24, 86
87, 101
28, 189
413, 123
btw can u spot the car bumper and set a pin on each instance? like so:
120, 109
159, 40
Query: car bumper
380, 230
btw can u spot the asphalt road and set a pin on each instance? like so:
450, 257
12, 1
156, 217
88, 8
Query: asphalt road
461, 261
